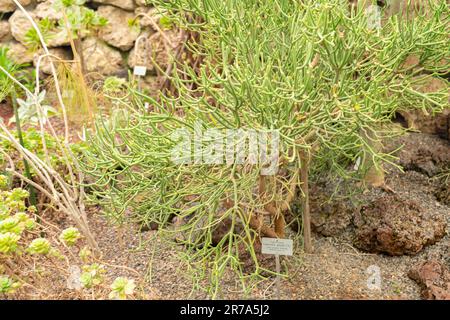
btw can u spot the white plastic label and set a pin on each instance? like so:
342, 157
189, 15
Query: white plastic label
140, 71
282, 247
69, 94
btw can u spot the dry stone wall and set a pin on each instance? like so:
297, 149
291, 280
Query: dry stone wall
110, 51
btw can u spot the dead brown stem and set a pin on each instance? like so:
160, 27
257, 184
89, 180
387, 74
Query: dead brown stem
277, 212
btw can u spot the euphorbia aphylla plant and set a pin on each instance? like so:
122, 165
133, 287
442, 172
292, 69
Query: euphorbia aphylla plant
317, 79
77, 21
64, 189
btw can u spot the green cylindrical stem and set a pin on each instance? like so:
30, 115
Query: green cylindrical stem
33, 197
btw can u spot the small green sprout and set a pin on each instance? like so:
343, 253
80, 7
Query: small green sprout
92, 275
19, 194
8, 242
7, 285
3, 182
113, 85
122, 288
47, 28
12, 225
134, 24
32, 209
84, 254
39, 246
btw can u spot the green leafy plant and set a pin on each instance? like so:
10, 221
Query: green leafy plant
7, 285
33, 141
39, 246
21, 242
77, 22
63, 190
166, 22
114, 86
70, 236
16, 222
8, 242
6, 85
93, 275
33, 108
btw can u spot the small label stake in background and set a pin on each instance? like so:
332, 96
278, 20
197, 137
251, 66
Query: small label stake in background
282, 247
140, 71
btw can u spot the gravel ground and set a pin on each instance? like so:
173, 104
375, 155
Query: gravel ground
336, 270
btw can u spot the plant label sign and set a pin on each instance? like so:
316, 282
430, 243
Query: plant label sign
140, 71
279, 247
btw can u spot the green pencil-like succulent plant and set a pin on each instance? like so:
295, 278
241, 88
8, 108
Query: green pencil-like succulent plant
39, 246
